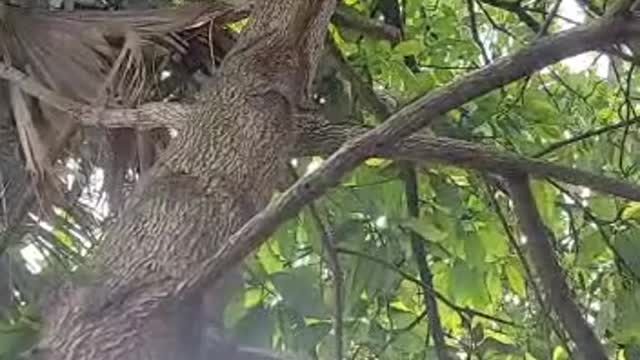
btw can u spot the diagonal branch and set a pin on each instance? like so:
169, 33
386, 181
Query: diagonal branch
543, 53
551, 274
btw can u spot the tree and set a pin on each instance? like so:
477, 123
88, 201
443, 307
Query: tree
204, 198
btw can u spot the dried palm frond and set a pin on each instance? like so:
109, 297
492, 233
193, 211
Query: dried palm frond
99, 58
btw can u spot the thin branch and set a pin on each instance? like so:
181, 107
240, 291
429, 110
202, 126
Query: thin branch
551, 274
584, 136
420, 256
322, 138
329, 243
473, 25
462, 310
370, 100
550, 17
516, 9
345, 17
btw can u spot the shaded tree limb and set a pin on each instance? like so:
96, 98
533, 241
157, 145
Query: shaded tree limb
323, 140
550, 272
420, 256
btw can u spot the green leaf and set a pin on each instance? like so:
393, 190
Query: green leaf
409, 47
308, 337
299, 291
546, 201
467, 285
591, 247
628, 246
426, 229
494, 284
631, 211
603, 207
256, 327
16, 338
475, 252
515, 278
559, 353
494, 241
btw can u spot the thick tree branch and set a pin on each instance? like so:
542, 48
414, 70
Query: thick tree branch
322, 138
406, 121
550, 273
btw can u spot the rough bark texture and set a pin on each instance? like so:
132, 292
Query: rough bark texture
219, 171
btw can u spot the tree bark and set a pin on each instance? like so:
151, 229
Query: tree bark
219, 171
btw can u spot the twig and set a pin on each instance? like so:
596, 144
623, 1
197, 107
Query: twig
329, 242
588, 214
584, 136
550, 17
462, 310
551, 274
420, 256
518, 10
473, 25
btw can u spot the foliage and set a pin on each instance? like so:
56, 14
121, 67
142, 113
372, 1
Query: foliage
489, 305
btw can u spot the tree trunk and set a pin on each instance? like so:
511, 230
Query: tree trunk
219, 171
